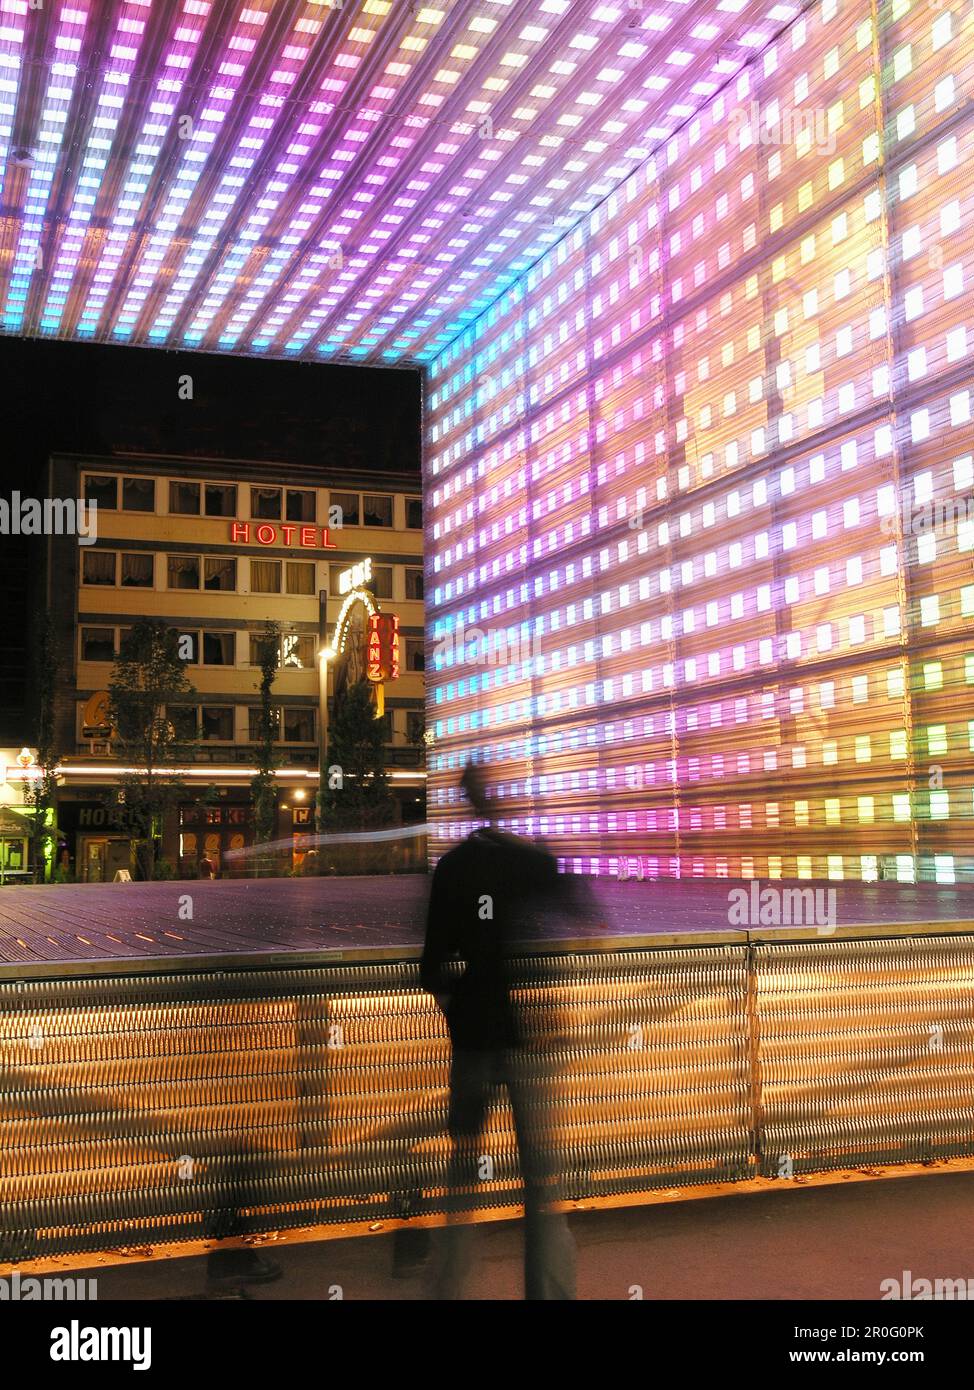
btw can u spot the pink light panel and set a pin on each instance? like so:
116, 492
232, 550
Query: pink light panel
693, 283
699, 486
351, 181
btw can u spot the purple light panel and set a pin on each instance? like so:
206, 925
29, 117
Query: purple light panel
700, 490
353, 182
693, 284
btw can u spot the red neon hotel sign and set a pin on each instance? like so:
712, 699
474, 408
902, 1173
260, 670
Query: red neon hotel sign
266, 534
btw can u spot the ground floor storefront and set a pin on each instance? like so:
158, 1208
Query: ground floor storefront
16, 865
215, 835
16, 815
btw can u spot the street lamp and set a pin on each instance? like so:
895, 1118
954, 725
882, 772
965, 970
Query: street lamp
324, 656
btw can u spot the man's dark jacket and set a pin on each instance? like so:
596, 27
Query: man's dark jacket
487, 896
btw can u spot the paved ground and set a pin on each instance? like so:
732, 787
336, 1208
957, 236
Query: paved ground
827, 1242
139, 921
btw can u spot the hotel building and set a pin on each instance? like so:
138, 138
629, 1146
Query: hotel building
217, 550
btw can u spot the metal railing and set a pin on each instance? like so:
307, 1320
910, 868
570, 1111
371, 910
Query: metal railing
161, 1106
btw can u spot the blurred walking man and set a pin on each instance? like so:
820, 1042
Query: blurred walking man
484, 893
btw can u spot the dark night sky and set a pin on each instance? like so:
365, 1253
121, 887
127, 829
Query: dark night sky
81, 397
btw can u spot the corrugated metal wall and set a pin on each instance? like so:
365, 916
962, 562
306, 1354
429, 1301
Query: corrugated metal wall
172, 1107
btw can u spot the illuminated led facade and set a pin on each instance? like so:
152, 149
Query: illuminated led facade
699, 486
692, 284
325, 179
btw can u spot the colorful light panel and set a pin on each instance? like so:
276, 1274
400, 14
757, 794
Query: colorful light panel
700, 490
693, 281
330, 179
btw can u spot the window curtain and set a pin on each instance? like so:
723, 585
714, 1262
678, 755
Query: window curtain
221, 574
300, 578
266, 502
100, 567
137, 570
265, 576
184, 572
218, 648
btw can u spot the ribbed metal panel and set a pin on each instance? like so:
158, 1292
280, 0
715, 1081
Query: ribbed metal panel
314, 1095
143, 1109
866, 1051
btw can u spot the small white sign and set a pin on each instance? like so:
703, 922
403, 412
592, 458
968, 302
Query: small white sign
355, 577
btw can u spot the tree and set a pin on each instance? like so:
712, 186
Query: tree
354, 787
40, 793
147, 678
262, 786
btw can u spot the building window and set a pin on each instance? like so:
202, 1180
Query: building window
217, 723
103, 490
98, 567
184, 720
415, 725
347, 503
414, 513
256, 643
265, 576
301, 506
265, 503
385, 724
253, 722
218, 649
297, 650
381, 582
414, 583
138, 494
183, 571
298, 724
300, 577
377, 511
137, 571
97, 644
221, 499
415, 654
220, 574
184, 499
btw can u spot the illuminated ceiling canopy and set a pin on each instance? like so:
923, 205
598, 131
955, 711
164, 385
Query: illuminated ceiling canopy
348, 181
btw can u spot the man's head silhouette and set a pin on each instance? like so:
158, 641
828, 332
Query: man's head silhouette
474, 785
